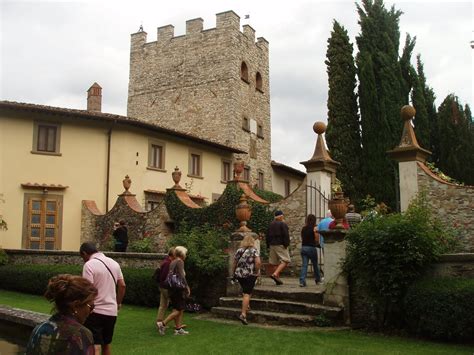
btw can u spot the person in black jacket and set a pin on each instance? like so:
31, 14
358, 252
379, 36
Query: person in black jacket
278, 240
120, 235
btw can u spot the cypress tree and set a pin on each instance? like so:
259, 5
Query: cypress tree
432, 115
381, 95
343, 131
456, 141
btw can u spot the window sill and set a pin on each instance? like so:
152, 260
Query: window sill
245, 81
246, 129
46, 153
156, 169
224, 182
195, 176
259, 90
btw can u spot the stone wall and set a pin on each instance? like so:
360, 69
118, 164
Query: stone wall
98, 227
453, 204
192, 83
53, 257
294, 209
454, 265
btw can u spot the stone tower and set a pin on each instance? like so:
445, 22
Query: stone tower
212, 83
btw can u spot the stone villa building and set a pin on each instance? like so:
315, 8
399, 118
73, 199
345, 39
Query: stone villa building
196, 101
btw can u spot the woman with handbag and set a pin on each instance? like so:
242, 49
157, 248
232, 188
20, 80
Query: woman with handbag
246, 270
309, 242
178, 291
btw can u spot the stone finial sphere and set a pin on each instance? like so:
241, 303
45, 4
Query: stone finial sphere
319, 127
407, 112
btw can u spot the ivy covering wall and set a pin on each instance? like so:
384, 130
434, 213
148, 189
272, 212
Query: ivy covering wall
220, 214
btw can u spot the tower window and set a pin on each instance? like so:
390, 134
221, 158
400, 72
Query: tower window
260, 183
244, 72
258, 82
260, 131
287, 187
245, 124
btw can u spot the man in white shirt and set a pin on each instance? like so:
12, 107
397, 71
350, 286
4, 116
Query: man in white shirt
106, 275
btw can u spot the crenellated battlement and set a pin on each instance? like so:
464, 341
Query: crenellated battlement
227, 21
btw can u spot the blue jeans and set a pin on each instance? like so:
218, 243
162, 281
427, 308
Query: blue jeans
309, 253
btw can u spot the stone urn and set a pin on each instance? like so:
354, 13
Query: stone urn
238, 168
243, 213
127, 182
176, 175
338, 207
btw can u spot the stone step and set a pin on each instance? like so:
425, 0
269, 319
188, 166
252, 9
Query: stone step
263, 317
286, 294
290, 307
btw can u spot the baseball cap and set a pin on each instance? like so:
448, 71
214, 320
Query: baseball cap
278, 213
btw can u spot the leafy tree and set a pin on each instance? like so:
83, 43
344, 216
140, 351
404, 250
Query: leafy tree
343, 131
382, 91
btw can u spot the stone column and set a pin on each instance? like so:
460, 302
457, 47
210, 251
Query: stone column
408, 153
320, 170
337, 287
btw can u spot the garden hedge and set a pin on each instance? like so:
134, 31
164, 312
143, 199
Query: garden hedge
441, 308
141, 289
33, 279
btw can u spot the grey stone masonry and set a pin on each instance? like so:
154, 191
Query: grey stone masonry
294, 210
453, 204
192, 83
57, 257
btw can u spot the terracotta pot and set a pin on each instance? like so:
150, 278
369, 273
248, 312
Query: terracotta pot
176, 175
338, 207
127, 182
238, 168
243, 213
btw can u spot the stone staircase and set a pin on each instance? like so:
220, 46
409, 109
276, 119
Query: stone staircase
287, 304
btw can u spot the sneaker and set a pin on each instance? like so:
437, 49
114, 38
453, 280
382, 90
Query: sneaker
161, 328
276, 279
180, 331
243, 319
320, 282
302, 284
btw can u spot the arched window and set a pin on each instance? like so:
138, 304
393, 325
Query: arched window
244, 72
258, 82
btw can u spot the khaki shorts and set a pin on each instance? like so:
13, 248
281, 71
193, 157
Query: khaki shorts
278, 254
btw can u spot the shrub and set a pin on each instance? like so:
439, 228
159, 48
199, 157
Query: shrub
205, 246
441, 308
141, 245
141, 289
385, 254
3, 257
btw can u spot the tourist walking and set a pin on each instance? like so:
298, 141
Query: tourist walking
178, 292
352, 217
164, 296
278, 241
246, 269
120, 235
309, 242
106, 275
73, 298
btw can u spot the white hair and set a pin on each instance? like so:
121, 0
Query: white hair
328, 213
180, 252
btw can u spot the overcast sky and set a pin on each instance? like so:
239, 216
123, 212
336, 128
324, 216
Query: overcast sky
52, 51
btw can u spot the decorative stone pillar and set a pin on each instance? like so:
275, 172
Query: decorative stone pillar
243, 213
408, 153
337, 287
320, 170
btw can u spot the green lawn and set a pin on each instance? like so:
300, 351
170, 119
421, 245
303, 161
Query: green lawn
135, 334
